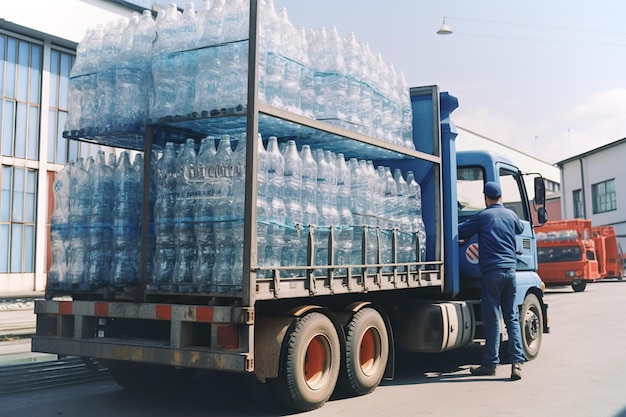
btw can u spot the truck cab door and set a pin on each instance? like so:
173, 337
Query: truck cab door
514, 198
470, 183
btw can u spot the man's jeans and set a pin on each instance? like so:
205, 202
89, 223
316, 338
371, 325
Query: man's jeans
498, 291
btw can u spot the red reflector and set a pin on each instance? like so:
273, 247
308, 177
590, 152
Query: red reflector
227, 337
204, 314
65, 308
101, 309
164, 312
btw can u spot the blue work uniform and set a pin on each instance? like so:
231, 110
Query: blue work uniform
496, 227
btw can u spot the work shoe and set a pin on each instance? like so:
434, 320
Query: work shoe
516, 371
483, 370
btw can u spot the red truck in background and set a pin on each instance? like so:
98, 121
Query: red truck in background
573, 252
608, 252
566, 254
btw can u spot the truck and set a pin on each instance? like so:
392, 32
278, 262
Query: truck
574, 252
608, 252
567, 255
310, 329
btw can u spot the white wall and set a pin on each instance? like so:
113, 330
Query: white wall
66, 19
597, 167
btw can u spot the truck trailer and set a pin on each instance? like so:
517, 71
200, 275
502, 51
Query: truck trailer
313, 328
608, 252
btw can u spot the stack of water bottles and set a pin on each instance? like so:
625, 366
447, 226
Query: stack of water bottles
303, 194
95, 226
197, 200
195, 63
110, 78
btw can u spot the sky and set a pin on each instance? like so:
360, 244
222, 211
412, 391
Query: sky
546, 77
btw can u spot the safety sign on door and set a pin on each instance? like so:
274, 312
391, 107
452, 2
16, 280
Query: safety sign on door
471, 253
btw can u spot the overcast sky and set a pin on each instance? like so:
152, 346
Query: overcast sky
543, 76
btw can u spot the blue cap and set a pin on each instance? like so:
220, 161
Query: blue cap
492, 190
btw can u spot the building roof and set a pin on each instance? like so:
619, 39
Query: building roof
591, 152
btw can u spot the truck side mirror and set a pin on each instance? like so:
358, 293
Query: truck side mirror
540, 191
542, 216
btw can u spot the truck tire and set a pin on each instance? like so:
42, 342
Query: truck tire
579, 286
531, 323
310, 364
148, 377
367, 350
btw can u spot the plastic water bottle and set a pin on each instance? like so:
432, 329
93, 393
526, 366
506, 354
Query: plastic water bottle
271, 62
330, 80
107, 74
407, 113
234, 77
209, 88
222, 208
212, 25
164, 215
125, 230
358, 198
307, 81
404, 241
59, 224
352, 58
293, 206
185, 62
415, 214
133, 73
184, 209
238, 193
344, 232
203, 215
138, 167
236, 20
234, 55
309, 206
275, 197
163, 65
262, 207
89, 82
292, 51
372, 210
100, 222
328, 214
80, 195
388, 214
74, 103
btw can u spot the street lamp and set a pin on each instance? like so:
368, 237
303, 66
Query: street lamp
445, 29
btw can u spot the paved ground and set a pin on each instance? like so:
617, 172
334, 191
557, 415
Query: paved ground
17, 323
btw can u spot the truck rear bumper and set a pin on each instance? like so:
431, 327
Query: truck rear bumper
206, 337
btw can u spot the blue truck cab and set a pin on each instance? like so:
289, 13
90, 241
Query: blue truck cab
462, 180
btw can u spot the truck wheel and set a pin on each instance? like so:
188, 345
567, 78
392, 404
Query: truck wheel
148, 377
531, 320
367, 350
310, 363
579, 286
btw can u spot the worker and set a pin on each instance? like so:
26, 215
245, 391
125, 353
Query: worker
496, 227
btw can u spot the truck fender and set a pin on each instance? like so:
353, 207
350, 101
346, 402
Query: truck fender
270, 340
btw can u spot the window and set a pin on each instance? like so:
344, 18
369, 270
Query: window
577, 198
559, 254
604, 198
469, 187
510, 182
17, 219
20, 85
